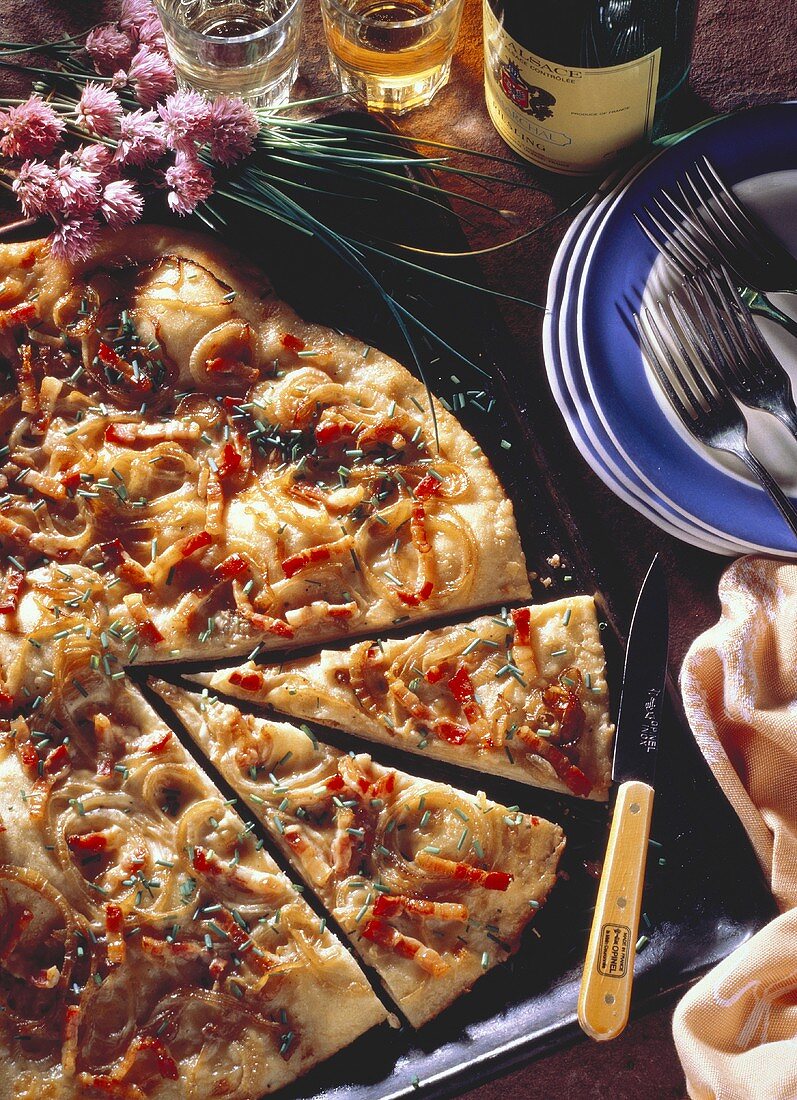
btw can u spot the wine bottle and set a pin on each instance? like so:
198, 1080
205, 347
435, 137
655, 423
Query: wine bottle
570, 84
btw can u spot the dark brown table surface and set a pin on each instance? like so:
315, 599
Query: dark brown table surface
744, 54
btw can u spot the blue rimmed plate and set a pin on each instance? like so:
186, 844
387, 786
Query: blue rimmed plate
756, 151
569, 390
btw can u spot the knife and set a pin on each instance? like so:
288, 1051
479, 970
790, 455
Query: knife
605, 996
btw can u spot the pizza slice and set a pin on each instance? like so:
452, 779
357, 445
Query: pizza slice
433, 886
522, 694
150, 949
234, 476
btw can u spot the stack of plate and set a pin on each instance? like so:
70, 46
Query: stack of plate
612, 405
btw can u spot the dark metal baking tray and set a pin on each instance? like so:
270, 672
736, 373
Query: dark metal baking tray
708, 895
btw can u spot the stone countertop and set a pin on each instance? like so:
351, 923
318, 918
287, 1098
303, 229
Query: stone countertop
744, 54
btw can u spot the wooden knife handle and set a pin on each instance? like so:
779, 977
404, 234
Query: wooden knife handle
605, 996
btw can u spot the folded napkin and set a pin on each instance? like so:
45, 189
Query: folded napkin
736, 1030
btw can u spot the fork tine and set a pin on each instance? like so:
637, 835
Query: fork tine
753, 235
706, 215
667, 246
712, 330
686, 413
698, 240
690, 381
748, 330
697, 354
748, 242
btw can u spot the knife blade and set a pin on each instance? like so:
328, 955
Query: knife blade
605, 995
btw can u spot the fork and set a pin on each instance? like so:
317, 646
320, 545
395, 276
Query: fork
702, 400
710, 227
755, 377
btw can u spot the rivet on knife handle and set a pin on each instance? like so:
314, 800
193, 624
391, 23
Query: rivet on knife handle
605, 996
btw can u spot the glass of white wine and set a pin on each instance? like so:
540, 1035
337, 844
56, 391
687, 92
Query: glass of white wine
392, 55
247, 48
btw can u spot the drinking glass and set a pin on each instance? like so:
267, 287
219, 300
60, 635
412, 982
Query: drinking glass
246, 48
392, 55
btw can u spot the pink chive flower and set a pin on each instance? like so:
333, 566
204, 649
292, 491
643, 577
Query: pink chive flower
190, 182
135, 13
151, 76
110, 49
186, 119
141, 138
94, 158
33, 188
74, 239
99, 110
233, 129
150, 33
75, 190
121, 203
32, 129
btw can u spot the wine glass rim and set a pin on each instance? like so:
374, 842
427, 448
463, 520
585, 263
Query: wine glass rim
396, 24
238, 39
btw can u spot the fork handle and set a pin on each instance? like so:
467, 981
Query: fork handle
771, 486
761, 304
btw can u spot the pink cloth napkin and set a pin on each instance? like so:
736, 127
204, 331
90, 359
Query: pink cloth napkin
736, 1030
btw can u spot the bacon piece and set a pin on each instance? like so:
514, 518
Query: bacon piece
423, 546
159, 949
258, 620
571, 775
377, 931
231, 567
71, 480
56, 759
193, 543
230, 460
15, 934
332, 427
435, 674
464, 872
26, 384
110, 1086
26, 751
461, 687
126, 434
126, 567
6, 701
257, 959
291, 342
69, 1044
148, 633
564, 699
247, 681
87, 842
390, 905
315, 555
115, 940
521, 617
450, 731
159, 744
22, 314
387, 431
428, 486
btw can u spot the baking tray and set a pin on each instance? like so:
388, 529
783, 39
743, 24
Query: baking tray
704, 892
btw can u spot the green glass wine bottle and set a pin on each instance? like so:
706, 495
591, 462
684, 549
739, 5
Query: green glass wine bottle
571, 84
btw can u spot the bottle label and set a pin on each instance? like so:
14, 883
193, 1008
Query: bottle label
566, 119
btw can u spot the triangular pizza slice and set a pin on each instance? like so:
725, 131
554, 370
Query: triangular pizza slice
233, 476
522, 694
432, 885
150, 949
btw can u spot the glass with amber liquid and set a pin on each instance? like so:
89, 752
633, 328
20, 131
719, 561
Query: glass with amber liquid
392, 55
